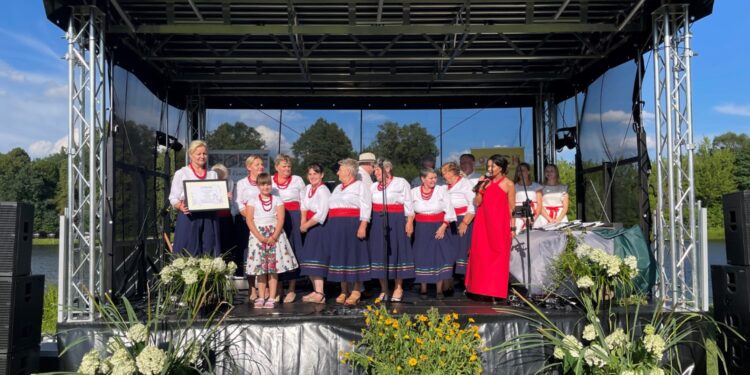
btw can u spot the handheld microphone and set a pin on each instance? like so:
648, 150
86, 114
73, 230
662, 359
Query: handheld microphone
482, 183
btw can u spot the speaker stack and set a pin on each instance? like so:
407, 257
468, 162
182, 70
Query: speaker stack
21, 294
731, 282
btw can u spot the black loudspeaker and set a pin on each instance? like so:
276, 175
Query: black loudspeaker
21, 301
737, 227
731, 287
21, 362
16, 227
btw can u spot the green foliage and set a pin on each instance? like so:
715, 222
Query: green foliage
714, 171
198, 281
49, 314
325, 143
425, 344
235, 137
403, 144
568, 177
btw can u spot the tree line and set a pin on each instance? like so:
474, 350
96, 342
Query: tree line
722, 164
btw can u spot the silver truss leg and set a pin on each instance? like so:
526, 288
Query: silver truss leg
86, 122
545, 129
676, 209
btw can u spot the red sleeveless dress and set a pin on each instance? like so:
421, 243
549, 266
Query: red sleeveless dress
489, 254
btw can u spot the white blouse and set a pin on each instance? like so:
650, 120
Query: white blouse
552, 195
265, 216
245, 193
398, 191
177, 192
462, 195
440, 201
293, 192
318, 203
473, 178
356, 195
529, 194
365, 177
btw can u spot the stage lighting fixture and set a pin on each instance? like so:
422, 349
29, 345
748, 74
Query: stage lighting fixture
566, 137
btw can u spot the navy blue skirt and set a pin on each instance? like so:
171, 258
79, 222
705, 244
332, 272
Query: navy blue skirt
400, 254
433, 258
460, 245
350, 260
198, 233
292, 222
315, 255
242, 236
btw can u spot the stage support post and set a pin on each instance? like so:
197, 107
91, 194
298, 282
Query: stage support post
675, 234
87, 138
545, 130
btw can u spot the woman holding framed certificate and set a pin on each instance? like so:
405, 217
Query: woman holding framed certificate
196, 232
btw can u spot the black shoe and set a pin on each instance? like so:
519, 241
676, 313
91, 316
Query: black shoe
439, 296
449, 292
423, 295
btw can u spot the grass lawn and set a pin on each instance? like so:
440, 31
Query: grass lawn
716, 234
49, 314
45, 241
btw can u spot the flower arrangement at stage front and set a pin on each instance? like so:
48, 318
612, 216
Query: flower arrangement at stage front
423, 344
614, 340
188, 277
149, 345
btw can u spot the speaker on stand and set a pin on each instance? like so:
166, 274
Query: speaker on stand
21, 294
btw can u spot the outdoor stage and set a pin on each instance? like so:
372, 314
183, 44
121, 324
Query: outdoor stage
302, 338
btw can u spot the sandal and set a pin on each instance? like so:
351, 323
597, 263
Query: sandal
382, 297
315, 297
290, 297
397, 299
259, 303
270, 303
353, 298
341, 298
253, 296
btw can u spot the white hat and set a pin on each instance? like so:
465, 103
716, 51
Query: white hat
367, 157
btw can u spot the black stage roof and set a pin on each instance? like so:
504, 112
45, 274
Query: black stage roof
338, 54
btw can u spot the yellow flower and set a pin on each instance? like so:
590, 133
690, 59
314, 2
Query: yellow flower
455, 316
388, 321
412, 361
347, 355
471, 320
398, 368
380, 334
394, 311
419, 341
476, 336
377, 300
406, 337
369, 308
442, 349
422, 318
367, 321
422, 357
395, 324
473, 358
456, 325
448, 338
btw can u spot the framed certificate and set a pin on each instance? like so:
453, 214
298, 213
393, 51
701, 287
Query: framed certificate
206, 195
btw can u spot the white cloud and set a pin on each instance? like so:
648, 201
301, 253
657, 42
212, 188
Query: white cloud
56, 91
271, 136
733, 109
455, 155
611, 116
257, 117
42, 148
31, 42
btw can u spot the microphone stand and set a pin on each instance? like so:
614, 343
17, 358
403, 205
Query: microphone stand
386, 234
527, 216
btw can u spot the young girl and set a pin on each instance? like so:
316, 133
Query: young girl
269, 252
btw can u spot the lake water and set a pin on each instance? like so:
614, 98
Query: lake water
44, 260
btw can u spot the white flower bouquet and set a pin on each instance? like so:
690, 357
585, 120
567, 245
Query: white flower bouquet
188, 276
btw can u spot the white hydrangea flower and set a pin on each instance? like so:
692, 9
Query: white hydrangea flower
190, 276
195, 354
206, 264
572, 345
105, 367
90, 362
589, 332
151, 360
138, 333
113, 344
612, 263
218, 265
559, 353
656, 371
121, 363
616, 339
585, 282
192, 262
629, 372
591, 356
179, 263
231, 267
166, 274
598, 256
632, 262
655, 345
583, 251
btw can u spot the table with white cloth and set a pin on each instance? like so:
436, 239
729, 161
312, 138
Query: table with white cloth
546, 247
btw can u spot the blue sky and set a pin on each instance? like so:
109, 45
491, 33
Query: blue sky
33, 84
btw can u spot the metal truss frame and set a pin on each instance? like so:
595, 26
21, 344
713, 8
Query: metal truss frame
545, 131
84, 232
675, 234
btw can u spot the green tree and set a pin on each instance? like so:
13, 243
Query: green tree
235, 137
325, 143
714, 170
568, 177
15, 172
731, 140
403, 145
46, 178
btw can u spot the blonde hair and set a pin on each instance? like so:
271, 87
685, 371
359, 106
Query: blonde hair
351, 164
250, 159
221, 171
557, 174
452, 167
263, 179
280, 158
195, 144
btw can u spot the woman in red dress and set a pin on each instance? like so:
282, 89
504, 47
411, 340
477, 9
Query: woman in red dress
489, 254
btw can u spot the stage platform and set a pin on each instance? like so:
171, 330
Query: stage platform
302, 338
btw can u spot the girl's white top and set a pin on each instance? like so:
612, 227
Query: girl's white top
318, 203
440, 201
293, 192
355, 195
530, 192
462, 195
260, 215
398, 191
177, 192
